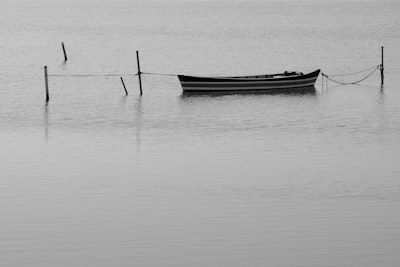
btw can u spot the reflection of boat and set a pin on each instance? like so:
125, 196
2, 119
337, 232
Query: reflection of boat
281, 82
309, 90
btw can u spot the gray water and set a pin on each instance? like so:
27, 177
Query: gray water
96, 178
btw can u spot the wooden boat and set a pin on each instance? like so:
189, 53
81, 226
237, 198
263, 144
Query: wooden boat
287, 81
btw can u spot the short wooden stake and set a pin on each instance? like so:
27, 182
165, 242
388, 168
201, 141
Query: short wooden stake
139, 72
123, 84
65, 53
382, 67
46, 83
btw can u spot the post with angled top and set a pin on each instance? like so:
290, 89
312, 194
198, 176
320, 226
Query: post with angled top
46, 83
65, 53
123, 84
382, 68
139, 72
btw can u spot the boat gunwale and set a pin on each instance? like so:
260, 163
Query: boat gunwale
247, 82
187, 78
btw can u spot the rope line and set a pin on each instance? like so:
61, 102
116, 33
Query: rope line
374, 69
155, 73
110, 75
92, 75
349, 83
353, 73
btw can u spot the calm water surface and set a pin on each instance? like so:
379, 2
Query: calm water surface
95, 178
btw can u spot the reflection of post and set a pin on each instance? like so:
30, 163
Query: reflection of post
381, 109
138, 121
326, 84
322, 82
46, 122
382, 67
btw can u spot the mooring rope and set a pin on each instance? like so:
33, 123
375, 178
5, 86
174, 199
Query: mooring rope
162, 74
354, 73
374, 69
349, 83
92, 75
111, 75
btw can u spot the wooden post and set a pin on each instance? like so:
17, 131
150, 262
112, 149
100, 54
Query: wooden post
123, 84
139, 72
46, 83
65, 53
382, 67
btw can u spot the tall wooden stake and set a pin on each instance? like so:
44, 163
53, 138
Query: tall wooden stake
123, 84
382, 67
65, 53
46, 83
139, 72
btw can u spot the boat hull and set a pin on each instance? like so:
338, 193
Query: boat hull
248, 83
